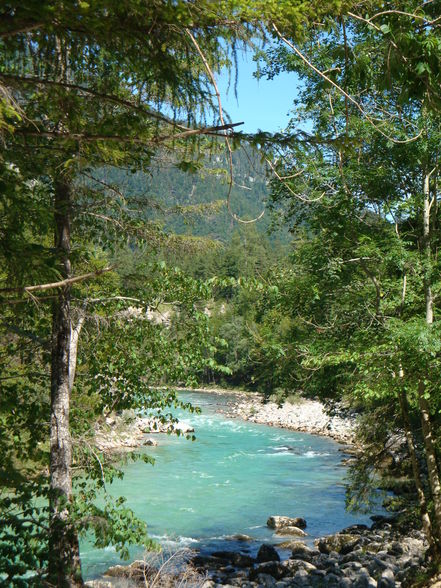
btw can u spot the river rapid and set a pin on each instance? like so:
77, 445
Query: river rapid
229, 481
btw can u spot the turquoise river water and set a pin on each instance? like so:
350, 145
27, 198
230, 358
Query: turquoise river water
229, 481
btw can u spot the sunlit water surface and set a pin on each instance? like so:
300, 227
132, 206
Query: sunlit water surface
229, 481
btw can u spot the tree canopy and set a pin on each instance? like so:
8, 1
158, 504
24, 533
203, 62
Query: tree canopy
95, 91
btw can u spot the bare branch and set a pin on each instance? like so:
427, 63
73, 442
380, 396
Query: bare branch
105, 184
60, 284
227, 142
23, 29
85, 138
409, 14
288, 187
103, 96
377, 28
112, 299
202, 131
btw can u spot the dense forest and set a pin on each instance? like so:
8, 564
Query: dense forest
304, 262
190, 197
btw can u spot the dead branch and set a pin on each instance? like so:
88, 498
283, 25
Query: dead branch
86, 138
369, 22
60, 284
101, 95
409, 14
24, 29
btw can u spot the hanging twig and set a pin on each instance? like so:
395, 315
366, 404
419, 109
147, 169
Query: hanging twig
227, 141
290, 190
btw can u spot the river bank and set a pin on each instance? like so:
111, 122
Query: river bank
130, 432
307, 416
335, 421
382, 555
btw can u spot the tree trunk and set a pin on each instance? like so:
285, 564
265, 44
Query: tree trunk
427, 250
425, 517
426, 423
432, 463
64, 562
73, 346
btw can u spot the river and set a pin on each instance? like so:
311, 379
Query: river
229, 481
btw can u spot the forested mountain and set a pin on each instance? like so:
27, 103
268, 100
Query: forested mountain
190, 197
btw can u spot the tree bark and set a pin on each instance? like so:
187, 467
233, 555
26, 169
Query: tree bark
431, 459
427, 250
64, 562
73, 346
426, 423
425, 517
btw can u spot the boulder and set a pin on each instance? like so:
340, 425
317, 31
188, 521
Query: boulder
291, 530
363, 580
301, 578
145, 425
150, 442
277, 522
340, 542
265, 580
345, 583
267, 553
332, 580
239, 537
183, 428
290, 544
274, 569
355, 529
395, 548
137, 570
206, 561
301, 551
387, 580
376, 565
235, 558
381, 521
294, 565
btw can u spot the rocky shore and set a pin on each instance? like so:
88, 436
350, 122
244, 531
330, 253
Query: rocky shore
382, 556
360, 557
308, 416
128, 432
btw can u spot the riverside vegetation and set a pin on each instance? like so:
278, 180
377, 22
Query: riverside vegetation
102, 303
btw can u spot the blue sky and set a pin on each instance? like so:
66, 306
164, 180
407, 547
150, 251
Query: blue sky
260, 104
